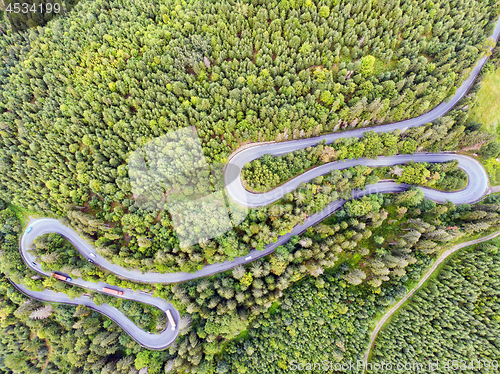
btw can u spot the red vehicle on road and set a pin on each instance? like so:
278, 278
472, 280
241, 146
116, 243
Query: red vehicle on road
112, 291
61, 277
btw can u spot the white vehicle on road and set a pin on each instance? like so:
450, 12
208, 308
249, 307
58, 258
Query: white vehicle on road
171, 320
248, 258
92, 254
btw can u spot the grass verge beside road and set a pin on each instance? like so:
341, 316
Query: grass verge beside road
487, 107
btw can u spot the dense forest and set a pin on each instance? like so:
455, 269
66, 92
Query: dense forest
108, 80
455, 317
454, 320
47, 338
81, 95
372, 243
157, 247
319, 320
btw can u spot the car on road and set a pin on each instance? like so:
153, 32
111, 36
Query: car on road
34, 263
248, 258
29, 229
90, 260
92, 254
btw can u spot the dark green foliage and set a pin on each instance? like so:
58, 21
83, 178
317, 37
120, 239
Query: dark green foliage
78, 339
84, 92
490, 150
222, 306
455, 317
144, 316
319, 319
452, 178
387, 246
55, 253
268, 172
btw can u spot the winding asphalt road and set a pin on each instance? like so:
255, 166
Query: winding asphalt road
476, 189
152, 341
